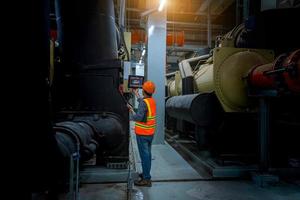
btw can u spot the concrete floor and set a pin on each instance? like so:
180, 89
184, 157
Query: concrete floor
112, 191
167, 164
217, 190
198, 190
174, 179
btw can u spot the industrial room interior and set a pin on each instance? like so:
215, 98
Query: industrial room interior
227, 76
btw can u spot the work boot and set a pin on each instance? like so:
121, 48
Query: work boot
143, 182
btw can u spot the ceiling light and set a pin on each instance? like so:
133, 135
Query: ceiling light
161, 5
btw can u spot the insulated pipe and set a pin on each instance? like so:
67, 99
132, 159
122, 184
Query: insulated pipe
199, 109
111, 135
69, 134
109, 131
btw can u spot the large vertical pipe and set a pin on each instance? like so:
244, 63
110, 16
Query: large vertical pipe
89, 46
89, 32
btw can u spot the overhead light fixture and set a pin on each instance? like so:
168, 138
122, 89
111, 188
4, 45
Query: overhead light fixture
143, 52
161, 5
155, 9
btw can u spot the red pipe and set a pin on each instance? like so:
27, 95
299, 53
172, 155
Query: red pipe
283, 73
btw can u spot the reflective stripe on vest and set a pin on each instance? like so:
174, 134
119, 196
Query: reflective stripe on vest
147, 128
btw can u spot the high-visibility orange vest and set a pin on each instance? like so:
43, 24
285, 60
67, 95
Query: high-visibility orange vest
148, 127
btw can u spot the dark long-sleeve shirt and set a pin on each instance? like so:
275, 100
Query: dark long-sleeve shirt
141, 114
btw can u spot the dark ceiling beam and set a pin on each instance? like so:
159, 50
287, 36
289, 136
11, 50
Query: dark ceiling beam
203, 7
185, 24
134, 10
186, 30
217, 7
191, 30
201, 42
184, 49
169, 12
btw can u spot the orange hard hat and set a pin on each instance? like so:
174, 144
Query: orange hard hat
149, 87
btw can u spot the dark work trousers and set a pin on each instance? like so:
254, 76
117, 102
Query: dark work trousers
144, 145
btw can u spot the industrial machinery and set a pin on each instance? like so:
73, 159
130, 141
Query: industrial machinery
220, 93
81, 114
217, 98
90, 115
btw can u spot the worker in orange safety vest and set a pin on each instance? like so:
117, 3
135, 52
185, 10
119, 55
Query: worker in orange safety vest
145, 123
